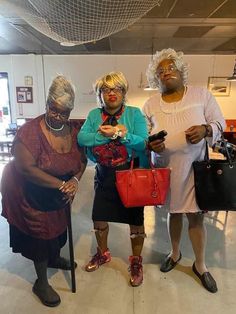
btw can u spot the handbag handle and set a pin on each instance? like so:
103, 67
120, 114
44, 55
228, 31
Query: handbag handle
224, 142
229, 159
149, 159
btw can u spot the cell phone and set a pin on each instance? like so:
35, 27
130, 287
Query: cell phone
158, 136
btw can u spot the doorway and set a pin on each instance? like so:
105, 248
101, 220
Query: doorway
5, 109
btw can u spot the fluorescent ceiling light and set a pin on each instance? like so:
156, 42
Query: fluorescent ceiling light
148, 88
67, 44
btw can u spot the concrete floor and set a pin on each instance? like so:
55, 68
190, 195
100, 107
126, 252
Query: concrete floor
106, 291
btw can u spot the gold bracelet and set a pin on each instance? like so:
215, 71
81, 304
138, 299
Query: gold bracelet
76, 179
118, 133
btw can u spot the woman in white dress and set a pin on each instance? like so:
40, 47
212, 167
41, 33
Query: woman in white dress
188, 114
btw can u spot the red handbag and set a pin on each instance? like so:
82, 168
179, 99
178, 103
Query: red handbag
143, 187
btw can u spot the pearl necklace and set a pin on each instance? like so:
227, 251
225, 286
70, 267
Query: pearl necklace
54, 129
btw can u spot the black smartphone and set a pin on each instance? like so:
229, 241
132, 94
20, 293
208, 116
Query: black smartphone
158, 136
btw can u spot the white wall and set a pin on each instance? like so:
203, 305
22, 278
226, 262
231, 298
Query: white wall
83, 71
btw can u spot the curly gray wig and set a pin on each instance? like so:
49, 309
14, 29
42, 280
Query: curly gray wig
164, 54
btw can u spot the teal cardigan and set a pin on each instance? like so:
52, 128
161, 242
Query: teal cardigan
135, 139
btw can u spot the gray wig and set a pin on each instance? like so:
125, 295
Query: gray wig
176, 57
62, 91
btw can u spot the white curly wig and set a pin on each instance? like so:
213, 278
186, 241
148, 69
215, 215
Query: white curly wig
164, 54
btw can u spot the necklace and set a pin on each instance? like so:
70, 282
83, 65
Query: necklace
54, 129
172, 107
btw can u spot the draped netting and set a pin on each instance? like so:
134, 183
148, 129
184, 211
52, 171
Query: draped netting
81, 21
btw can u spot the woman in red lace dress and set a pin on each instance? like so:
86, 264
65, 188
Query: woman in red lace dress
39, 184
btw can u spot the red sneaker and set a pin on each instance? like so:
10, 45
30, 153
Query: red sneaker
97, 260
136, 270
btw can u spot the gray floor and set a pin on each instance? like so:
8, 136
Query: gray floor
107, 290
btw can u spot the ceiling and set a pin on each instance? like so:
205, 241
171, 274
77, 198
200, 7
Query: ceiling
193, 26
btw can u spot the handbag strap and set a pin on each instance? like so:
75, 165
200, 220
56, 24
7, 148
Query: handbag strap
228, 157
206, 156
132, 160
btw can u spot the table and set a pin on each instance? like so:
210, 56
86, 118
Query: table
5, 146
11, 132
230, 135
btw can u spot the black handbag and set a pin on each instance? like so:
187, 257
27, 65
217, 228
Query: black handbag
215, 181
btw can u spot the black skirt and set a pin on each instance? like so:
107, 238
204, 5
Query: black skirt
107, 204
37, 250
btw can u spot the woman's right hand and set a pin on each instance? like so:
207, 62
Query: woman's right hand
107, 130
157, 146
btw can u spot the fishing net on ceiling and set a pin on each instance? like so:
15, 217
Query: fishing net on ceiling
81, 21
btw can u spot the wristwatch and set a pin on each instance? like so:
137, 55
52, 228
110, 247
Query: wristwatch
208, 130
117, 134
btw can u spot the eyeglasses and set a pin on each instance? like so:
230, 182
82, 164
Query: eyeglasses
170, 68
55, 113
116, 90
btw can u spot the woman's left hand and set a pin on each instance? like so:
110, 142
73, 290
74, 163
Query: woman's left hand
122, 128
195, 133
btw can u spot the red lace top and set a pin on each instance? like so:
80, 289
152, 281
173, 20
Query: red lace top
113, 153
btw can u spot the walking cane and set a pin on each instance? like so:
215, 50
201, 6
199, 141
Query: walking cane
71, 249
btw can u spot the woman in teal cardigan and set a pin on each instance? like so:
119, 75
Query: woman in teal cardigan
111, 133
